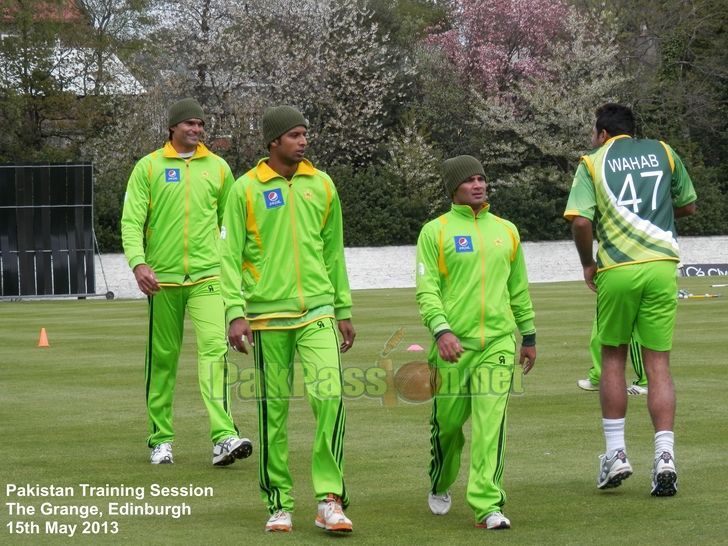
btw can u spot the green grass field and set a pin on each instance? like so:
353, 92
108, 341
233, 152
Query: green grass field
74, 413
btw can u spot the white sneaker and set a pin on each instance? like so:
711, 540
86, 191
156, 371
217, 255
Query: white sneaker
162, 454
225, 452
613, 470
587, 385
279, 522
439, 504
494, 521
636, 389
664, 476
330, 516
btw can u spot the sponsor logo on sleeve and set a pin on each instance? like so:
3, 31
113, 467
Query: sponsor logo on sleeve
463, 243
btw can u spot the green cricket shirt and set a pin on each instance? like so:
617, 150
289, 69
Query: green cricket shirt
630, 187
471, 277
173, 208
283, 246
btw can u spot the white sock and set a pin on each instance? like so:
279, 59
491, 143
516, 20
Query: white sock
664, 441
614, 434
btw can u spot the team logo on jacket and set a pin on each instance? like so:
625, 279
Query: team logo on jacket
463, 243
273, 198
171, 175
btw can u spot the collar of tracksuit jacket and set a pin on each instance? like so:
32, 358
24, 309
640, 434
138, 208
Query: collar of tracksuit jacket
170, 153
466, 211
264, 173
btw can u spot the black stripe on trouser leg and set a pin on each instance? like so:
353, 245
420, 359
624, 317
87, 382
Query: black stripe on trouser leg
635, 355
264, 477
226, 392
436, 462
225, 401
148, 362
596, 316
337, 440
337, 447
500, 455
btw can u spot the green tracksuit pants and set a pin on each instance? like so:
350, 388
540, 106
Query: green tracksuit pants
477, 386
167, 310
635, 356
317, 345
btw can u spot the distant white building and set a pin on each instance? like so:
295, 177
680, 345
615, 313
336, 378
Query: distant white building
75, 70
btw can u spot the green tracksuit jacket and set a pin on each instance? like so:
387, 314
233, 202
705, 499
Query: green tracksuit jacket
172, 212
471, 280
471, 277
283, 245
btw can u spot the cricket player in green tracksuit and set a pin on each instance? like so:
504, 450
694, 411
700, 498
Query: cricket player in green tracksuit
633, 189
472, 292
286, 290
173, 208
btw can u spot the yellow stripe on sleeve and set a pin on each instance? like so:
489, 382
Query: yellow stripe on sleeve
669, 157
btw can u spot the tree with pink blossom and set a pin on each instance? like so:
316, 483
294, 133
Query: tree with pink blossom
496, 42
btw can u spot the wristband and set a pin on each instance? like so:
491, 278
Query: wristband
441, 333
529, 340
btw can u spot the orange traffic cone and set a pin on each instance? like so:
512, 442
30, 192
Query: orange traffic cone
43, 339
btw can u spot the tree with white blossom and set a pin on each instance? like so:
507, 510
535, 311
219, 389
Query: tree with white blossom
325, 57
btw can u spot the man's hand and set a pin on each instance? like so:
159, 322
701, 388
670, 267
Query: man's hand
590, 273
146, 279
528, 358
347, 333
448, 345
238, 331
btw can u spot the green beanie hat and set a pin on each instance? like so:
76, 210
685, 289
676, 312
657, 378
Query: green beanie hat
183, 110
280, 119
457, 170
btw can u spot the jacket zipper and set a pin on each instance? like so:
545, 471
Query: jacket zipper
482, 281
296, 256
